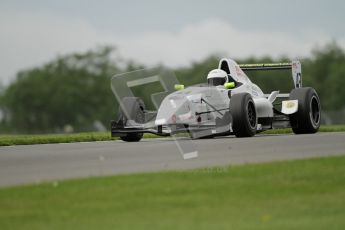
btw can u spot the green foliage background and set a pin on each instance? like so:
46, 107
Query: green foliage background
75, 89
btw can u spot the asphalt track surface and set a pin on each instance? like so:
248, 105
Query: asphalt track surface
52, 162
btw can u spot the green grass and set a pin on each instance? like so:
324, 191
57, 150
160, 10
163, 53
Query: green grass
323, 128
6, 140
304, 194
52, 138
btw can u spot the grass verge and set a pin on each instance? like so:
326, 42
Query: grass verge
323, 128
303, 194
6, 140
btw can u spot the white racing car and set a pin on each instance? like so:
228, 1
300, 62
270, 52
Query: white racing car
229, 103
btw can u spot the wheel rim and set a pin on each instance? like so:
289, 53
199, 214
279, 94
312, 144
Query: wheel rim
251, 115
315, 111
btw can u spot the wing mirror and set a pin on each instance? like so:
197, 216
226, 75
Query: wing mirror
179, 87
229, 85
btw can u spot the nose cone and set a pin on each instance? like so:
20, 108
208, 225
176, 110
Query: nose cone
171, 108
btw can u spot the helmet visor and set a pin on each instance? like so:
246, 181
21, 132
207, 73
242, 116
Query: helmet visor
216, 81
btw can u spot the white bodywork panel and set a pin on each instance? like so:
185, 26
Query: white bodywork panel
182, 106
264, 108
273, 96
297, 74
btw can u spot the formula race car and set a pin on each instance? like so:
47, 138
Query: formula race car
229, 103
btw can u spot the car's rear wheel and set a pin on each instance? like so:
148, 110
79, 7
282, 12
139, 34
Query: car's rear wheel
132, 109
308, 117
243, 112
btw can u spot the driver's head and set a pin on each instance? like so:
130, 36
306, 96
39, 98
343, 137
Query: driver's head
217, 77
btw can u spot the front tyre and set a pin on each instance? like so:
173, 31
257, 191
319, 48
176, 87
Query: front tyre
133, 109
243, 112
308, 117
132, 137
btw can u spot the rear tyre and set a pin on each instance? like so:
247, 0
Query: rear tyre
307, 118
132, 109
243, 112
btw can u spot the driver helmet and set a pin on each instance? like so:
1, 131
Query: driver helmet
217, 77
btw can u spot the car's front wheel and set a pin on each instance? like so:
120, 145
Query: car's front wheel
132, 109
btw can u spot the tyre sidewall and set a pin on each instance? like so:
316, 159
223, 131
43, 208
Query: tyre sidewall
239, 104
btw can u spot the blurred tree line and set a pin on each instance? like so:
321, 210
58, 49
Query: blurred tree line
74, 90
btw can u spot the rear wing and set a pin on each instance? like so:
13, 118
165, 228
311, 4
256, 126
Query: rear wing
295, 67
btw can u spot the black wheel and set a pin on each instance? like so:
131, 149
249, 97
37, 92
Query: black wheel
307, 118
132, 137
243, 112
132, 109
